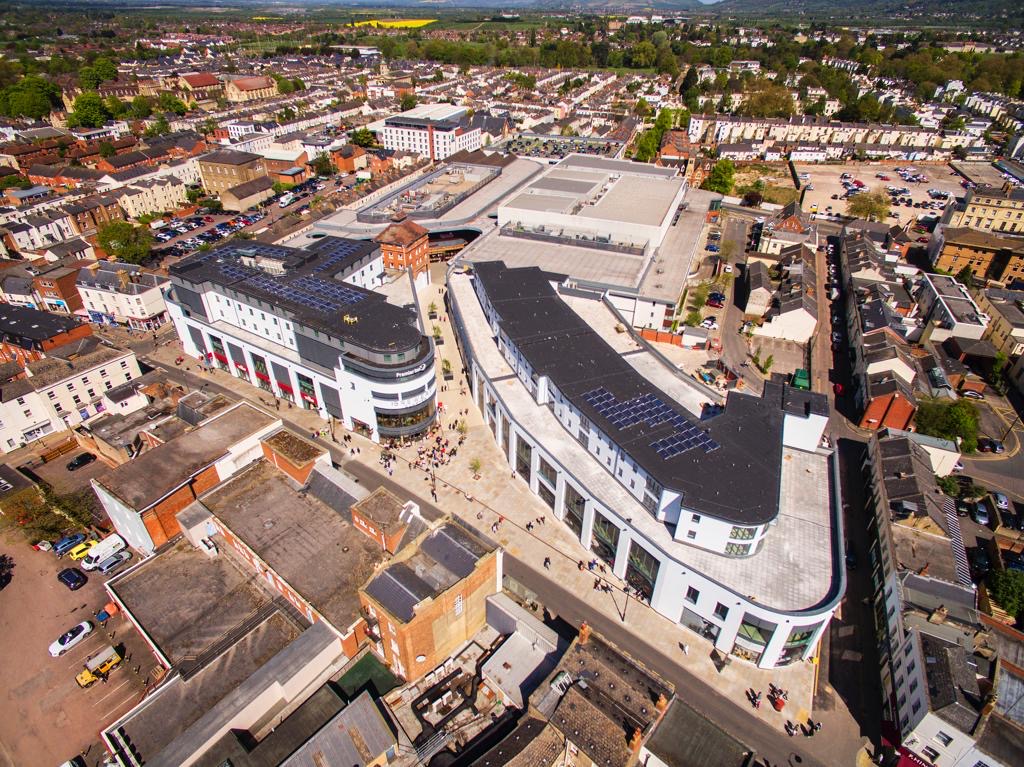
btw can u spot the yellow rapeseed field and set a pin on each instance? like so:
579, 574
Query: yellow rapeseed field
396, 23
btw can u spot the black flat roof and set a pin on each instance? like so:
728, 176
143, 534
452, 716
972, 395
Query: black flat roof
308, 289
33, 324
727, 466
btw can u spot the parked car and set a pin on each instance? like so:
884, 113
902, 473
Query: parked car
65, 544
70, 638
114, 563
981, 515
1002, 502
72, 578
958, 466
715, 304
80, 460
980, 562
712, 248
81, 551
972, 394
989, 445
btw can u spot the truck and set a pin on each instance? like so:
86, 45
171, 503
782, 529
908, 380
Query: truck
287, 200
103, 550
98, 666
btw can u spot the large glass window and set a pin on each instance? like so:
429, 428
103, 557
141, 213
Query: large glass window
505, 427
737, 549
642, 570
756, 630
605, 540
307, 391
574, 504
405, 420
524, 454
547, 471
739, 533
546, 495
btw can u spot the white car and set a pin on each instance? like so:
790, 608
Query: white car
70, 638
727, 268
709, 325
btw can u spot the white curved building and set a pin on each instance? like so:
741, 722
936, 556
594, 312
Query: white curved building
306, 326
723, 519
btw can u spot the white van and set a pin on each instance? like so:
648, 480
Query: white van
102, 550
287, 200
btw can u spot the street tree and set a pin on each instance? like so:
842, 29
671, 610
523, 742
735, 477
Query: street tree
721, 177
874, 206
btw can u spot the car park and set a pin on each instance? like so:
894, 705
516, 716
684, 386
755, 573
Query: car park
70, 638
72, 578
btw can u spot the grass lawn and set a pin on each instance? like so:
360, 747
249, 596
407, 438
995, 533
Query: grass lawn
780, 195
367, 669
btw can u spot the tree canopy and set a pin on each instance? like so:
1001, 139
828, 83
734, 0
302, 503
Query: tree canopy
89, 111
1007, 588
125, 242
949, 420
721, 177
873, 206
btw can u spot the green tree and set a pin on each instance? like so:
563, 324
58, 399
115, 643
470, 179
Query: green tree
873, 206
125, 242
689, 80
29, 97
89, 111
408, 102
643, 55
142, 107
322, 165
107, 149
721, 177
207, 127
115, 107
168, 102
159, 127
363, 137
966, 277
89, 79
1007, 589
949, 420
768, 100
105, 69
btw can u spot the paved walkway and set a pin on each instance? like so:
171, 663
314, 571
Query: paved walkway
501, 507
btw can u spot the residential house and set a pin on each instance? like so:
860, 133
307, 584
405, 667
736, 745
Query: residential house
987, 255
758, 288
122, 294
349, 158
91, 213
200, 85
156, 195
55, 287
793, 315
226, 168
1005, 310
29, 334
787, 227
992, 209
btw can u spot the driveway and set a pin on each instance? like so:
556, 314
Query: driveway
45, 718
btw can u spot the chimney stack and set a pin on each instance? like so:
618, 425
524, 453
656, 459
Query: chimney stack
584, 635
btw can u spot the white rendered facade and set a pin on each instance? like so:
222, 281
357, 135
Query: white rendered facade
699, 575
379, 395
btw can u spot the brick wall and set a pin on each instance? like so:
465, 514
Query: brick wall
160, 520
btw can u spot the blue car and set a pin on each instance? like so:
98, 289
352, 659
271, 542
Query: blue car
712, 248
72, 578
64, 545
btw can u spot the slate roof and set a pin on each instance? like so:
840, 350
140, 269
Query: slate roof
953, 691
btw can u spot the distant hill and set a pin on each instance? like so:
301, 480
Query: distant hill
940, 11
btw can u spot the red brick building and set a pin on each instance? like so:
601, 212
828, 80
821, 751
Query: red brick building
405, 245
28, 334
431, 598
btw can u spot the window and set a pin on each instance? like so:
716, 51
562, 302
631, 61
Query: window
691, 534
721, 611
124, 364
692, 595
695, 518
51, 394
21, 400
943, 738
930, 753
916, 707
458, 605
77, 399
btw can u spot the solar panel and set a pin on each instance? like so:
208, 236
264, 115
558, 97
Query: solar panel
651, 410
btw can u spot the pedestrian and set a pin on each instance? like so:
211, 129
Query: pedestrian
542, 520
494, 527
597, 584
686, 649
529, 526
547, 563
579, 565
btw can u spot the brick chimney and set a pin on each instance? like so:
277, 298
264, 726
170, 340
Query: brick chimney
662, 703
637, 740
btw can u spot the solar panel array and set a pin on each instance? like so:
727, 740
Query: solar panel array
651, 410
329, 290
333, 252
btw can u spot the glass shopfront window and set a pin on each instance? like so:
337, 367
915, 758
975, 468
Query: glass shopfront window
574, 504
605, 540
524, 455
547, 471
757, 631
546, 495
642, 570
405, 420
262, 374
307, 392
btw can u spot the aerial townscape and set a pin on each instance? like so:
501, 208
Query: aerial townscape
534, 383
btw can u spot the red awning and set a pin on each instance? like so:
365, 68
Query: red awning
910, 759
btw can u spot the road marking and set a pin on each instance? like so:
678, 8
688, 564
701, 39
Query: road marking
127, 680
132, 699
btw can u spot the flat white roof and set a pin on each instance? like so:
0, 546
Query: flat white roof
791, 572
